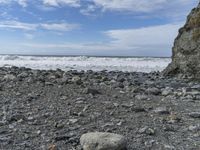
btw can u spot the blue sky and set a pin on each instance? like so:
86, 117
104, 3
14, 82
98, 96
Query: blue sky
91, 27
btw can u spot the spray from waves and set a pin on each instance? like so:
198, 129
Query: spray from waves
136, 64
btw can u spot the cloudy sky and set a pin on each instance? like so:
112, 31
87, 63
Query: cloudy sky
91, 27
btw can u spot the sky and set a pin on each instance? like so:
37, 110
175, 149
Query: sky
91, 27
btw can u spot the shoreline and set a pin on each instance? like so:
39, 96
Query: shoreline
40, 108
97, 56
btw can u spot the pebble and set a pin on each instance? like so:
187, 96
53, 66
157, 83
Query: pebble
166, 92
153, 91
9, 77
91, 91
141, 97
146, 130
194, 128
76, 80
73, 121
194, 114
161, 110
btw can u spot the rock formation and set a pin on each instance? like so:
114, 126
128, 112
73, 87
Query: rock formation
186, 50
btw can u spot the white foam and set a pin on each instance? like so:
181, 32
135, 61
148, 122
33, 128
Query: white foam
144, 64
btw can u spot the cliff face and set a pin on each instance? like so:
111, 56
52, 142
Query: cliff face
186, 50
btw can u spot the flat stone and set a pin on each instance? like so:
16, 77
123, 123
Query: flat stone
141, 97
166, 92
153, 91
9, 77
91, 91
195, 114
161, 110
76, 80
102, 141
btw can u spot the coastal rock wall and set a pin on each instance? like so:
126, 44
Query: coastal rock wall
186, 50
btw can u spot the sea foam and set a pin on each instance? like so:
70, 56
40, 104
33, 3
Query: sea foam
133, 64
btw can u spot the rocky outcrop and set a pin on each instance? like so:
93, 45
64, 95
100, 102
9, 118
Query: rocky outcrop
186, 50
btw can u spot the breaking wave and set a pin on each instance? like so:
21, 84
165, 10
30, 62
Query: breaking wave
134, 64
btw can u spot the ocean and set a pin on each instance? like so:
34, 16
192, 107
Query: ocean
130, 64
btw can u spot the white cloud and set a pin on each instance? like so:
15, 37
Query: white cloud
89, 10
130, 5
31, 26
59, 26
17, 25
23, 3
154, 41
139, 6
72, 3
152, 36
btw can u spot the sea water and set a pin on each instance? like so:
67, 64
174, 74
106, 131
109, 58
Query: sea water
130, 64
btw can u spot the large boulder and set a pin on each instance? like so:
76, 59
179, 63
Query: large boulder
186, 50
102, 141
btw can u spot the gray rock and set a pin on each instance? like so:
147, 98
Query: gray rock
186, 50
147, 130
22, 75
9, 77
141, 97
76, 80
91, 91
102, 141
162, 110
194, 128
167, 91
153, 91
195, 114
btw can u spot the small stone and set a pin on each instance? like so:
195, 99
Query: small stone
120, 123
77, 80
194, 128
169, 147
59, 125
173, 118
22, 75
63, 97
127, 105
147, 130
49, 83
73, 121
38, 132
116, 104
138, 109
161, 110
119, 85
141, 97
122, 92
166, 92
153, 91
91, 91
30, 118
103, 141
52, 147
9, 77
86, 108
195, 114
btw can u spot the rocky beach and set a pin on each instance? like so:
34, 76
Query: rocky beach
51, 110
95, 109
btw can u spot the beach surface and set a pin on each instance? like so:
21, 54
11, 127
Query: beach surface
46, 109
